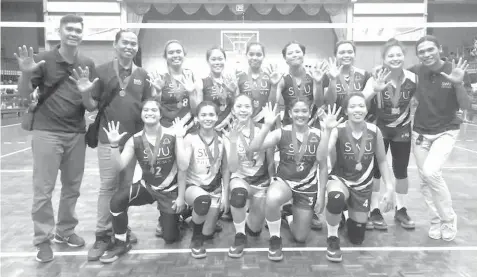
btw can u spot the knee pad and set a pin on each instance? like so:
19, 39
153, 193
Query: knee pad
336, 202
202, 204
356, 231
238, 197
170, 227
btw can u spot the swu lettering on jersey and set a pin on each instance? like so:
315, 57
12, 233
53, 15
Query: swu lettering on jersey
306, 89
248, 87
310, 153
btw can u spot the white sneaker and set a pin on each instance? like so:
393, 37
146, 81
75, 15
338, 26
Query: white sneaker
435, 231
449, 230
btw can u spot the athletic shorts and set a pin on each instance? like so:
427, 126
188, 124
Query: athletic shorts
396, 134
358, 199
145, 194
301, 199
257, 191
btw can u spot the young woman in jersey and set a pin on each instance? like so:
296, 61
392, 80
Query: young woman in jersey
207, 177
302, 151
343, 77
176, 88
356, 143
218, 88
249, 176
393, 88
160, 154
300, 83
258, 83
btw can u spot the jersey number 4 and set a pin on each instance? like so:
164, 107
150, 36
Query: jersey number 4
365, 204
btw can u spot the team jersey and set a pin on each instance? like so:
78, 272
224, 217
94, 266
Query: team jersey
289, 94
260, 97
345, 165
199, 172
300, 178
401, 118
255, 171
164, 177
222, 98
360, 78
175, 102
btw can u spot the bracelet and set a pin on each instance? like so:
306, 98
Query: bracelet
114, 146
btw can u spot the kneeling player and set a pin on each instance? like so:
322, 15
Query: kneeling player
351, 180
206, 170
249, 176
301, 151
159, 152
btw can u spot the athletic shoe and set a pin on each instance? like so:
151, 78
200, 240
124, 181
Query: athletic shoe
119, 248
73, 241
45, 253
435, 231
102, 243
369, 224
378, 220
227, 216
252, 233
132, 237
316, 223
275, 249
236, 250
159, 232
449, 230
402, 216
333, 252
218, 227
197, 248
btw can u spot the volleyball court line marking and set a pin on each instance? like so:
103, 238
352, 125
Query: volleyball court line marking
13, 153
4, 126
285, 249
462, 148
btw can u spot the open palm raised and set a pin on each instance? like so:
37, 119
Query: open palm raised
458, 72
330, 118
26, 63
113, 133
82, 79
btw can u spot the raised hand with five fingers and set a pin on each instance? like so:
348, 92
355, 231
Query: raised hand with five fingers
275, 76
380, 82
235, 131
458, 72
82, 79
230, 82
156, 80
330, 118
318, 72
188, 82
334, 70
113, 134
179, 128
25, 60
270, 114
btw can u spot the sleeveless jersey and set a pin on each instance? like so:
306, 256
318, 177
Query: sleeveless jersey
254, 172
403, 118
199, 173
211, 94
165, 168
259, 98
345, 165
175, 102
304, 180
289, 94
360, 78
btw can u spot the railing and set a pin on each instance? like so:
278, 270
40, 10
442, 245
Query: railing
12, 102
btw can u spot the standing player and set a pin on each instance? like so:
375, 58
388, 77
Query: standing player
207, 177
217, 88
249, 176
301, 152
441, 91
300, 83
393, 87
160, 153
356, 143
176, 88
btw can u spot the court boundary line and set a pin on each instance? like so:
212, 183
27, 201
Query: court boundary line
463, 148
13, 153
261, 249
16, 124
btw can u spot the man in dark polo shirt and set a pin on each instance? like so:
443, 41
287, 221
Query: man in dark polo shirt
441, 92
129, 83
58, 140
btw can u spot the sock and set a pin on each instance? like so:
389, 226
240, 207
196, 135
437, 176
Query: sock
374, 200
289, 219
332, 230
240, 227
345, 213
400, 200
121, 237
274, 227
197, 229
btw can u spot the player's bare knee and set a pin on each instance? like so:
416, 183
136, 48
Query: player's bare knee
238, 197
202, 204
336, 202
